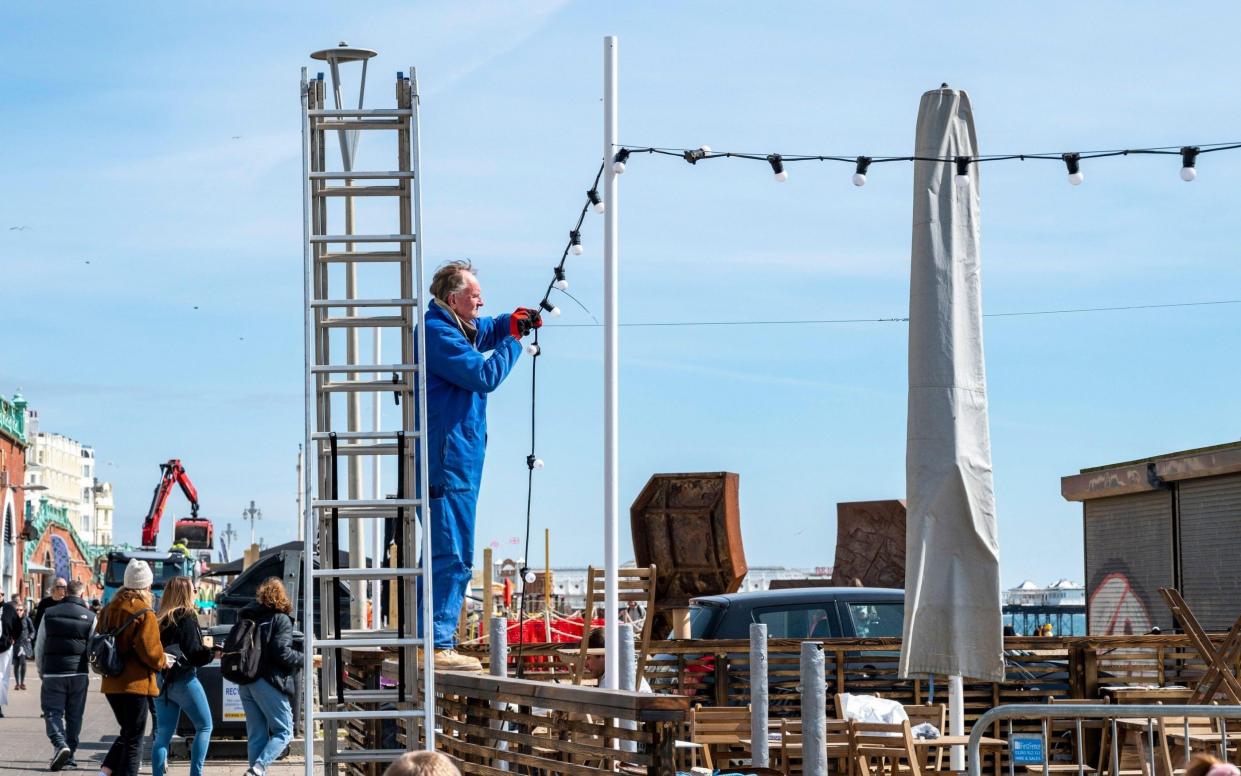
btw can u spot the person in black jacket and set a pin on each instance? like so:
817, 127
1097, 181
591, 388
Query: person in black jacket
60, 588
268, 700
60, 654
23, 647
180, 690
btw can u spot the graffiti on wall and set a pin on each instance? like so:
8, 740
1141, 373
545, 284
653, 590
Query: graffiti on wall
1117, 606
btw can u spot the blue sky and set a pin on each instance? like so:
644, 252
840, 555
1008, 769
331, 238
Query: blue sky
160, 142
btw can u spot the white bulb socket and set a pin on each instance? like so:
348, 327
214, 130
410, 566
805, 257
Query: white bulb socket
706, 149
782, 176
538, 463
530, 577
577, 249
1076, 178
554, 312
962, 181
600, 206
531, 349
561, 285
1188, 174
618, 167
859, 179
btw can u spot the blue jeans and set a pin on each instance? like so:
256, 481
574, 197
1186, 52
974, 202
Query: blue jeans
186, 694
63, 699
269, 721
452, 556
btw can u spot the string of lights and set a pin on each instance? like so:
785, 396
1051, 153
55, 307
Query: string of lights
1072, 160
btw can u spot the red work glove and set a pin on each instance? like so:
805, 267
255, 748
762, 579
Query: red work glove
523, 321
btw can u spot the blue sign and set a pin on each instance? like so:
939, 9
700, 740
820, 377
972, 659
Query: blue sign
1026, 748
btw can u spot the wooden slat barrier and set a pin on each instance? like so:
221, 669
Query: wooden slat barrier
496, 725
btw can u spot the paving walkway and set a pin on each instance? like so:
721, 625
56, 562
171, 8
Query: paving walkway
24, 747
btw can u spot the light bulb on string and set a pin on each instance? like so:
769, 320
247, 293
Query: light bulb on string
1071, 162
696, 154
1189, 163
593, 196
534, 462
528, 576
575, 242
859, 174
777, 167
618, 161
551, 309
561, 283
532, 349
963, 172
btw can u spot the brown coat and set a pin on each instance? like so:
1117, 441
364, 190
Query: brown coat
139, 644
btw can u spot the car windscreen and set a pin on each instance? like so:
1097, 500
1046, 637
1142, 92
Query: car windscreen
161, 572
877, 620
795, 622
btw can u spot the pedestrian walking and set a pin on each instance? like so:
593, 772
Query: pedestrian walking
23, 646
10, 627
60, 655
180, 690
268, 700
60, 589
130, 617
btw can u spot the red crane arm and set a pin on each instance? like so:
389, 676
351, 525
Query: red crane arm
170, 472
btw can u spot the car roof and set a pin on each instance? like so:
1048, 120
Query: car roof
803, 595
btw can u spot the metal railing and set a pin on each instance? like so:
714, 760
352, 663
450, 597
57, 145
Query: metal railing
1107, 713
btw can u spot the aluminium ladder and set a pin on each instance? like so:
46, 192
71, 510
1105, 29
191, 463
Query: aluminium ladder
330, 313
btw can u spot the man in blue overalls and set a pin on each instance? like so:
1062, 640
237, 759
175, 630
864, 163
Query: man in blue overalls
459, 377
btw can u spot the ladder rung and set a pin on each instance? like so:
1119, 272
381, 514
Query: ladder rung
383, 448
365, 386
366, 755
361, 256
402, 302
361, 175
360, 191
381, 572
368, 514
369, 714
352, 124
363, 322
350, 435
361, 238
359, 503
353, 113
371, 641
335, 369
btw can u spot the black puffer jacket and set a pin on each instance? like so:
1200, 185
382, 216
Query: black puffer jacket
64, 634
282, 659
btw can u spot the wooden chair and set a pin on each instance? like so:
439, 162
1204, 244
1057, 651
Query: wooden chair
934, 714
635, 584
720, 729
884, 748
789, 753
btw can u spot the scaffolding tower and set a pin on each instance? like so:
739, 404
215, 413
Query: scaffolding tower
335, 312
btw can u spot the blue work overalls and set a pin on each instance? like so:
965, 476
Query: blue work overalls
459, 377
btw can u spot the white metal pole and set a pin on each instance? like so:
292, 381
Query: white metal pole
611, 372
308, 584
377, 530
956, 720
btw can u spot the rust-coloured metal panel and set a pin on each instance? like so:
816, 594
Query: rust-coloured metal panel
870, 544
689, 526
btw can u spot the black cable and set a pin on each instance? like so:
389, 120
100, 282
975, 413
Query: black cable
818, 321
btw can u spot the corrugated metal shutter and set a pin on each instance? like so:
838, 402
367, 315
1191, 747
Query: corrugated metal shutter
1129, 556
1211, 549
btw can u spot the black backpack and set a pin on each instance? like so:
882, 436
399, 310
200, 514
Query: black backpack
101, 651
242, 660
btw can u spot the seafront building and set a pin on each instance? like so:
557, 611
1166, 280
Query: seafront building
12, 491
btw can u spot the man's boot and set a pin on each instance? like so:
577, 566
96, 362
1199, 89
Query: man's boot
452, 660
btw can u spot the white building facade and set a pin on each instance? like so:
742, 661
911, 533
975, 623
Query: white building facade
62, 470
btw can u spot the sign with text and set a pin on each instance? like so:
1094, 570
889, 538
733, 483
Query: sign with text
1026, 748
231, 709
